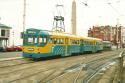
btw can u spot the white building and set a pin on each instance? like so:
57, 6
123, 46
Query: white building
4, 35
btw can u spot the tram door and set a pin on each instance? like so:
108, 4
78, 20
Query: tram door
66, 46
81, 46
94, 46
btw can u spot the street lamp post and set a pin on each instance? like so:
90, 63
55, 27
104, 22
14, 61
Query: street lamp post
117, 31
13, 38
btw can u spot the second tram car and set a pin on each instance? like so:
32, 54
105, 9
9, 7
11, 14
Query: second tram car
107, 45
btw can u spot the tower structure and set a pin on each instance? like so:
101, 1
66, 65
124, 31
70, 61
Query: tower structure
58, 23
73, 21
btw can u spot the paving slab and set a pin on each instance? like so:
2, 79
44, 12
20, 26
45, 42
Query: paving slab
10, 55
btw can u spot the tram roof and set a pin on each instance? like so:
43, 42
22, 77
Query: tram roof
62, 34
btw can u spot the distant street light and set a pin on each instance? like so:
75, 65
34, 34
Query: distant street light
109, 3
85, 3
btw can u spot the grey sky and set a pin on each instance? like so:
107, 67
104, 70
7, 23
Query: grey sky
40, 14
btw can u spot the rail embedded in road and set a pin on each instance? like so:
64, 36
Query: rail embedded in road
74, 68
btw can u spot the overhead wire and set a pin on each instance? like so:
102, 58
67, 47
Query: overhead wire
85, 3
110, 4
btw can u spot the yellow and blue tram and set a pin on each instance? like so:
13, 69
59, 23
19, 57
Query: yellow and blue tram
41, 43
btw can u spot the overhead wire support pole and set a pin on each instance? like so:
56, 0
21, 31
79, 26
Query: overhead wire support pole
117, 29
24, 19
24, 15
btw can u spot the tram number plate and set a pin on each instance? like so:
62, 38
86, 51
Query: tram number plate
30, 49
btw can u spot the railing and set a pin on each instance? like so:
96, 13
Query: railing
120, 65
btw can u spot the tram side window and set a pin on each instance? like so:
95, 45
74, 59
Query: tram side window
75, 41
70, 41
35, 40
61, 41
81, 42
50, 41
85, 42
55, 41
58, 41
42, 40
89, 42
32, 40
78, 42
66, 41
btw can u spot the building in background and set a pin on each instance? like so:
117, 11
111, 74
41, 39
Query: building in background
4, 35
115, 34
123, 36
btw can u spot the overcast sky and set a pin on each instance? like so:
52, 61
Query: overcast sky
39, 14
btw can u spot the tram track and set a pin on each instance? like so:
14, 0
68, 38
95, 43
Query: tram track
53, 72
19, 61
75, 67
32, 62
62, 74
14, 62
41, 72
97, 70
93, 67
31, 75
